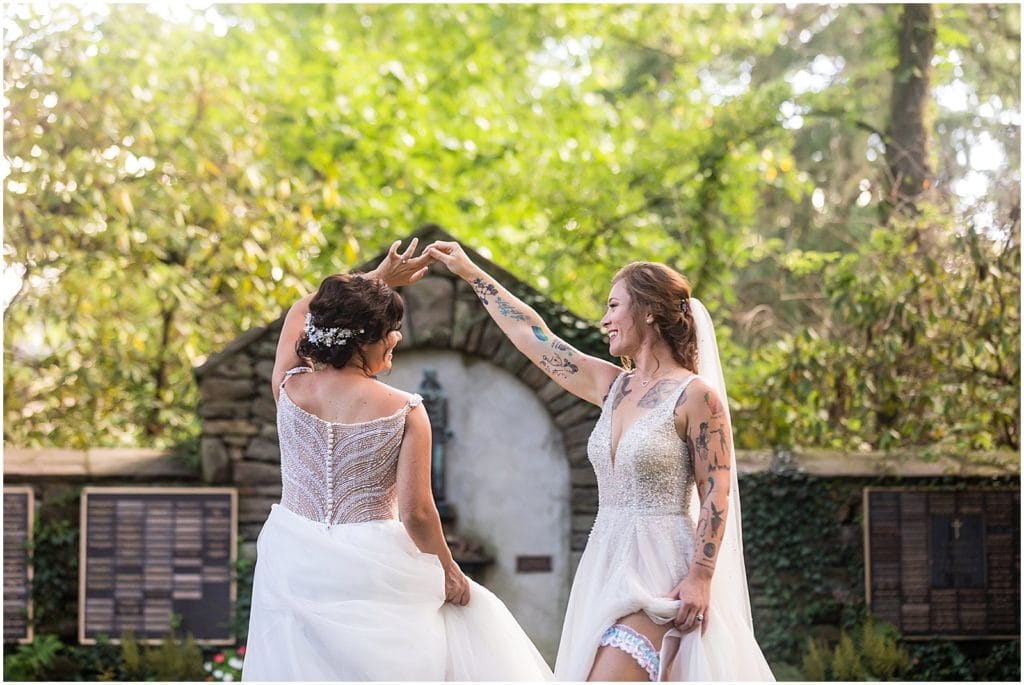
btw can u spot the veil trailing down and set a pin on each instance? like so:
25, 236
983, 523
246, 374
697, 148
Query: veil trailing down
741, 658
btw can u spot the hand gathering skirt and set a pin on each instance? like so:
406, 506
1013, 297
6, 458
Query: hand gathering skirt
632, 562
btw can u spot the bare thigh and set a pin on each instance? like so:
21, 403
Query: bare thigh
611, 663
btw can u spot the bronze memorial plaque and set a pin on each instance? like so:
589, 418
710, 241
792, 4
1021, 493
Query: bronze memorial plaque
154, 557
944, 562
18, 519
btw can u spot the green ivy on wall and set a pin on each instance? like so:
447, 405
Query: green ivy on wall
55, 562
800, 571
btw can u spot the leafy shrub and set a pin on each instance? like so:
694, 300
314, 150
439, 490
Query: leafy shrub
872, 653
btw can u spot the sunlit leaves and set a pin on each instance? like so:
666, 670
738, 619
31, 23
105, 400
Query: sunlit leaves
173, 183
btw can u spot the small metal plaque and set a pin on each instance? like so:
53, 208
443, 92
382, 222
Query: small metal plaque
943, 562
19, 513
150, 554
533, 564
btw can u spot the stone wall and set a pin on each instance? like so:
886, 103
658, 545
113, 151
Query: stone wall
239, 444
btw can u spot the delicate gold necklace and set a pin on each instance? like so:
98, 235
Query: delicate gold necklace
645, 383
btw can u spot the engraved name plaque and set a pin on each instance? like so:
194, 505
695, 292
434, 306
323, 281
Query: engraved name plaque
944, 562
153, 558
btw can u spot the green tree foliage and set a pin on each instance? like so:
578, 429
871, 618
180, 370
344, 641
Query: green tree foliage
175, 177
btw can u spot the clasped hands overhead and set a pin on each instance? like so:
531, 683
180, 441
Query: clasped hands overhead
402, 268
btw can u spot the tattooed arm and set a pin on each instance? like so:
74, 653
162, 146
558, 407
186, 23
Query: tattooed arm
589, 378
701, 423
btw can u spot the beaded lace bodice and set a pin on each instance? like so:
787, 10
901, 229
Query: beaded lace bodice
652, 472
339, 472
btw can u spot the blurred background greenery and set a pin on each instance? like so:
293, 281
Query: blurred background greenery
841, 183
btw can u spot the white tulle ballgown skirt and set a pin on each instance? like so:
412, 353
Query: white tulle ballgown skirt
631, 563
359, 601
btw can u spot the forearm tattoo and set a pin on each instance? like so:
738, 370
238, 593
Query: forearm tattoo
560, 363
539, 334
702, 523
714, 518
506, 308
659, 392
483, 289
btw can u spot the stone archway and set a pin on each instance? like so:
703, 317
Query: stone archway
443, 313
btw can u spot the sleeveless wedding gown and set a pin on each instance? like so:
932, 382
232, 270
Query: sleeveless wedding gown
340, 590
640, 548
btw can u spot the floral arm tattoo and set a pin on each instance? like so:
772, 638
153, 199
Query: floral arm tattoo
707, 441
483, 290
506, 308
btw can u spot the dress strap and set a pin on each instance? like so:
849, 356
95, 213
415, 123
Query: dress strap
686, 384
413, 402
294, 372
679, 393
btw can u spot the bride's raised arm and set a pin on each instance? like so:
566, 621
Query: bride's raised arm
587, 377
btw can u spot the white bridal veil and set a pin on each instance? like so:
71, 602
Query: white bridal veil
729, 650
729, 583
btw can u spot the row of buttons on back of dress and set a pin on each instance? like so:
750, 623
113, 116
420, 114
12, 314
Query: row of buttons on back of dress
329, 511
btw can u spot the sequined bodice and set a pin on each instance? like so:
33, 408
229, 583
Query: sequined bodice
652, 472
339, 472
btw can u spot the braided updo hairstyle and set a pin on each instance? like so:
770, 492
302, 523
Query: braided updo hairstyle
664, 293
365, 306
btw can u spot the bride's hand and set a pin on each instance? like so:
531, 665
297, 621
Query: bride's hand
456, 585
452, 256
694, 595
402, 269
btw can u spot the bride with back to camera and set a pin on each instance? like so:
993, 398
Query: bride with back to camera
353, 579
660, 592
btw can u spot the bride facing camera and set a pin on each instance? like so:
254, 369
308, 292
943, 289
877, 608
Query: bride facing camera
660, 592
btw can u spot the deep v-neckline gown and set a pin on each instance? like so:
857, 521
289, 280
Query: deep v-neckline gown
640, 548
341, 592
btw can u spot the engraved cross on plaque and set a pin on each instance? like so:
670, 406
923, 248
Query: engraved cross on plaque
957, 525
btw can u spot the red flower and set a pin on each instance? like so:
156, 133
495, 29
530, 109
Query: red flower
241, 651
219, 658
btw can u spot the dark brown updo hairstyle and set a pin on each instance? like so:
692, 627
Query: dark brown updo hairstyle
664, 293
367, 307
